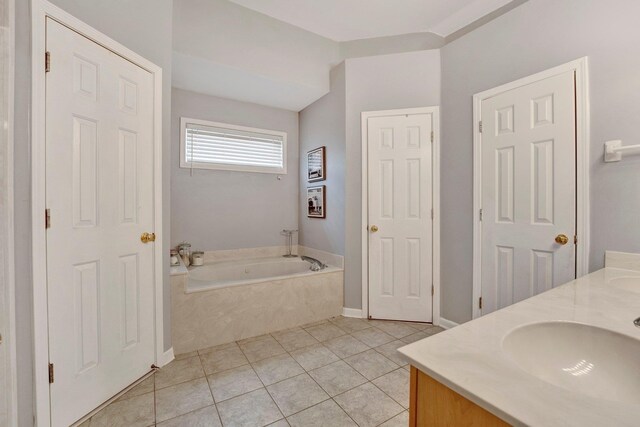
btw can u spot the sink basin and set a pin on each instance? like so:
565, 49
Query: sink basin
579, 358
631, 284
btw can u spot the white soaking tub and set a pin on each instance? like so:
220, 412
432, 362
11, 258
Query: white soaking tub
230, 300
222, 274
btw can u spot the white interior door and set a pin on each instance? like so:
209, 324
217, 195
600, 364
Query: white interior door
100, 187
400, 222
528, 190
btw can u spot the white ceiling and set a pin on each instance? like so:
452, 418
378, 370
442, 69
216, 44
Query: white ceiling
344, 20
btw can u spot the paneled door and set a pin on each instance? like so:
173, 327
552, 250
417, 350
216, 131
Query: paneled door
528, 191
400, 216
99, 194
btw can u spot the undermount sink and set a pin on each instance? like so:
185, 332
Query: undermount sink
579, 358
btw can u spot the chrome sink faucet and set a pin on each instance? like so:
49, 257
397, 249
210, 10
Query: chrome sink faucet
315, 264
637, 322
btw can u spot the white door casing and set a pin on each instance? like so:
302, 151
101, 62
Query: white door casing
8, 374
528, 190
100, 195
400, 202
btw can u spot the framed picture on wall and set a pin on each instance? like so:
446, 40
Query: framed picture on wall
316, 202
316, 165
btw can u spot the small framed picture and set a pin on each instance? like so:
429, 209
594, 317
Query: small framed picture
316, 202
316, 165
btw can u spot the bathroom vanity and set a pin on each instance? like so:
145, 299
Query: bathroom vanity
569, 356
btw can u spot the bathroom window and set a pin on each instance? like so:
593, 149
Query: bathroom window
211, 145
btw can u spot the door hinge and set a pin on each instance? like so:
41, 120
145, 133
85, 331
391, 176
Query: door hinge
47, 218
480, 303
480, 126
575, 239
50, 373
480, 214
432, 136
47, 62
432, 290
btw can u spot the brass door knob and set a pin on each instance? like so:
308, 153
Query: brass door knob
373, 228
148, 237
562, 239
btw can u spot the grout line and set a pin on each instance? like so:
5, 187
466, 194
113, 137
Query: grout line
305, 371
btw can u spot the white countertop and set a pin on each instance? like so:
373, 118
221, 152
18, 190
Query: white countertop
470, 359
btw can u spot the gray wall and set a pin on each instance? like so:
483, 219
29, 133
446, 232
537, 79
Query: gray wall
143, 26
385, 82
216, 209
538, 35
323, 123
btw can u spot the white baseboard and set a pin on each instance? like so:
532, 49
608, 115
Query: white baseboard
352, 312
447, 324
166, 357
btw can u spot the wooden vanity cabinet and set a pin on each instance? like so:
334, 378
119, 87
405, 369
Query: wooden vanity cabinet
432, 404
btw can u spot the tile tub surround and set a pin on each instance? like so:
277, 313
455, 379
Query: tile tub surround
470, 360
218, 316
222, 386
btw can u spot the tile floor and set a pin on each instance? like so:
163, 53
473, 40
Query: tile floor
337, 372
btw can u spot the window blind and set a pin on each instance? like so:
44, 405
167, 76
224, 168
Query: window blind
236, 149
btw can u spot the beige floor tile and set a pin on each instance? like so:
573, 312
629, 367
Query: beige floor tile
297, 393
337, 378
350, 324
396, 385
205, 417
134, 412
401, 420
434, 330
261, 348
373, 337
186, 355
251, 409
324, 414
422, 326
422, 334
277, 368
253, 339
325, 332
345, 346
397, 329
415, 337
280, 423
390, 351
179, 371
294, 339
368, 406
218, 347
233, 382
182, 398
314, 356
146, 386
319, 322
222, 359
371, 364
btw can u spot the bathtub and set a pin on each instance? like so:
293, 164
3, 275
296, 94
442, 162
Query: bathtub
228, 300
223, 274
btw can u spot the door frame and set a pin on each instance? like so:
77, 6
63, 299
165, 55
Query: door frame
42, 9
435, 153
580, 68
9, 309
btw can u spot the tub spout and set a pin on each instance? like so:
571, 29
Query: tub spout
315, 264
